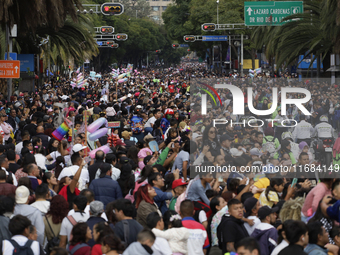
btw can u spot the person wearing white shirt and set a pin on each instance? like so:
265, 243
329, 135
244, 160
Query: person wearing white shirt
303, 131
79, 205
161, 245
71, 171
284, 243
251, 205
42, 193
19, 227
25, 135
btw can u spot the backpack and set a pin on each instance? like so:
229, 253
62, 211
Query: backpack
73, 222
77, 247
54, 242
22, 250
136, 125
126, 233
219, 231
269, 146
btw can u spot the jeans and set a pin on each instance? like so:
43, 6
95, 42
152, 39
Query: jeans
148, 130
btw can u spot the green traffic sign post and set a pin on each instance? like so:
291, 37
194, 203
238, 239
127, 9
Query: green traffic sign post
270, 13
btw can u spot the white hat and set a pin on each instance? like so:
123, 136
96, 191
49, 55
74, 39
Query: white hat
64, 97
235, 152
21, 195
129, 95
78, 147
255, 152
195, 135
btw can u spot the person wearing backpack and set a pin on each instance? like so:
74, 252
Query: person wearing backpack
81, 235
19, 244
270, 143
79, 204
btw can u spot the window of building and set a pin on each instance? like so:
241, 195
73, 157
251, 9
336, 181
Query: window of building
155, 18
155, 8
164, 8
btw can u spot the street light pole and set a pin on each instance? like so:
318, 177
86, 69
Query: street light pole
217, 10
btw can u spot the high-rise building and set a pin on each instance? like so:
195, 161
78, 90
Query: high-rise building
158, 7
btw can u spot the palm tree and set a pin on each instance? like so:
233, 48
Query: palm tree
313, 32
72, 41
30, 14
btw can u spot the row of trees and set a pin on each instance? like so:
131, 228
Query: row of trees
315, 31
71, 33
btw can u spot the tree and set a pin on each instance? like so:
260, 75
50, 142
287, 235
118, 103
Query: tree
30, 14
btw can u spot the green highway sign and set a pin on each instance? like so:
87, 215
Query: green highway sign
270, 13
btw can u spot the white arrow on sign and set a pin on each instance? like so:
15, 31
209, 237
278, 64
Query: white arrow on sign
16, 69
249, 11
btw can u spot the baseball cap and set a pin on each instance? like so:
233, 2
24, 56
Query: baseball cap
21, 195
96, 208
195, 135
264, 211
226, 137
123, 160
120, 142
255, 152
178, 182
249, 205
78, 147
147, 159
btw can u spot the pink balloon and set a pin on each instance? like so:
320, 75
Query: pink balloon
104, 148
97, 124
99, 133
122, 80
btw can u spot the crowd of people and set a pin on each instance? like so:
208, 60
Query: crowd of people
150, 193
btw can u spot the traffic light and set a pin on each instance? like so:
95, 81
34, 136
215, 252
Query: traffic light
112, 44
189, 38
106, 30
175, 45
112, 9
188, 50
121, 37
158, 51
209, 27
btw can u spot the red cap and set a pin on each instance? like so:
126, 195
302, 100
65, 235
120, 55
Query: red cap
178, 182
120, 142
96, 103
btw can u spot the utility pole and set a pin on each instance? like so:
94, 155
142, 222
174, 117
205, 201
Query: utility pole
9, 49
48, 60
241, 54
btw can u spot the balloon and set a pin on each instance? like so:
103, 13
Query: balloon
97, 124
104, 148
122, 80
122, 99
99, 133
122, 76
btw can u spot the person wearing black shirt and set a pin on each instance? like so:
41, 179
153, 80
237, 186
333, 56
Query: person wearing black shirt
12, 166
297, 236
227, 239
99, 157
